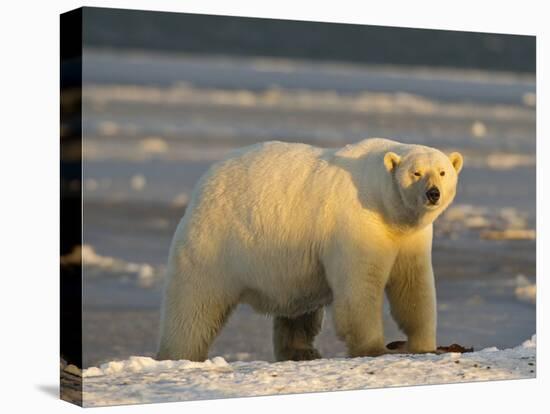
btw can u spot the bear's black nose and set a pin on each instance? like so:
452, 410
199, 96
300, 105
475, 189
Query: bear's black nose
433, 195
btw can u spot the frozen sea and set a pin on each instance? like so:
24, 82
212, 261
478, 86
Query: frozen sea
154, 123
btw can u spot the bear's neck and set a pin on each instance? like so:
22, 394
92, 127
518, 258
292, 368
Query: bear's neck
403, 220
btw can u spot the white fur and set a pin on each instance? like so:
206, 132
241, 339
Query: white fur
291, 228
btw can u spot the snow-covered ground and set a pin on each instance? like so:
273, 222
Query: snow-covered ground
144, 380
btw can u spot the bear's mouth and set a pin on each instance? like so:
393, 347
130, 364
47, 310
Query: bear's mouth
430, 205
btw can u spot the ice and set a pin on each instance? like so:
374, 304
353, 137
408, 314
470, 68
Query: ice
154, 145
181, 200
505, 223
296, 99
490, 349
530, 343
509, 234
138, 182
525, 290
108, 128
95, 264
529, 99
479, 129
503, 161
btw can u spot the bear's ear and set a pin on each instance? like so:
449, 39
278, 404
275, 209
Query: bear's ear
456, 160
391, 160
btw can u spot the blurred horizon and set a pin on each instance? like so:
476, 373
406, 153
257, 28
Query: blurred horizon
172, 32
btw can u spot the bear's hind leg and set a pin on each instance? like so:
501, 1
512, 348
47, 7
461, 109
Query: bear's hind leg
293, 337
189, 326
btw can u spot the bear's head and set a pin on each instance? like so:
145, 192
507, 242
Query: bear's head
423, 181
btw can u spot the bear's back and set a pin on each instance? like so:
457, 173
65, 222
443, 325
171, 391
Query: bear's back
267, 170
258, 190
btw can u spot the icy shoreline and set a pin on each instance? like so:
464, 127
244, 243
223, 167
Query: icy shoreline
144, 380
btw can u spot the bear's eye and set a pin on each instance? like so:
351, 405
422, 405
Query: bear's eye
417, 173
442, 173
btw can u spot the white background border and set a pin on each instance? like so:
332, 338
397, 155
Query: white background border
29, 206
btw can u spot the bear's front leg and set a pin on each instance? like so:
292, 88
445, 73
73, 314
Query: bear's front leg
358, 284
411, 293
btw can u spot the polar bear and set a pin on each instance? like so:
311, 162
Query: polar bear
291, 228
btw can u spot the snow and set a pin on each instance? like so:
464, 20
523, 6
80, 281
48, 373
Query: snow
506, 223
145, 380
504, 161
509, 234
146, 364
154, 145
138, 182
296, 99
525, 290
144, 274
479, 129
